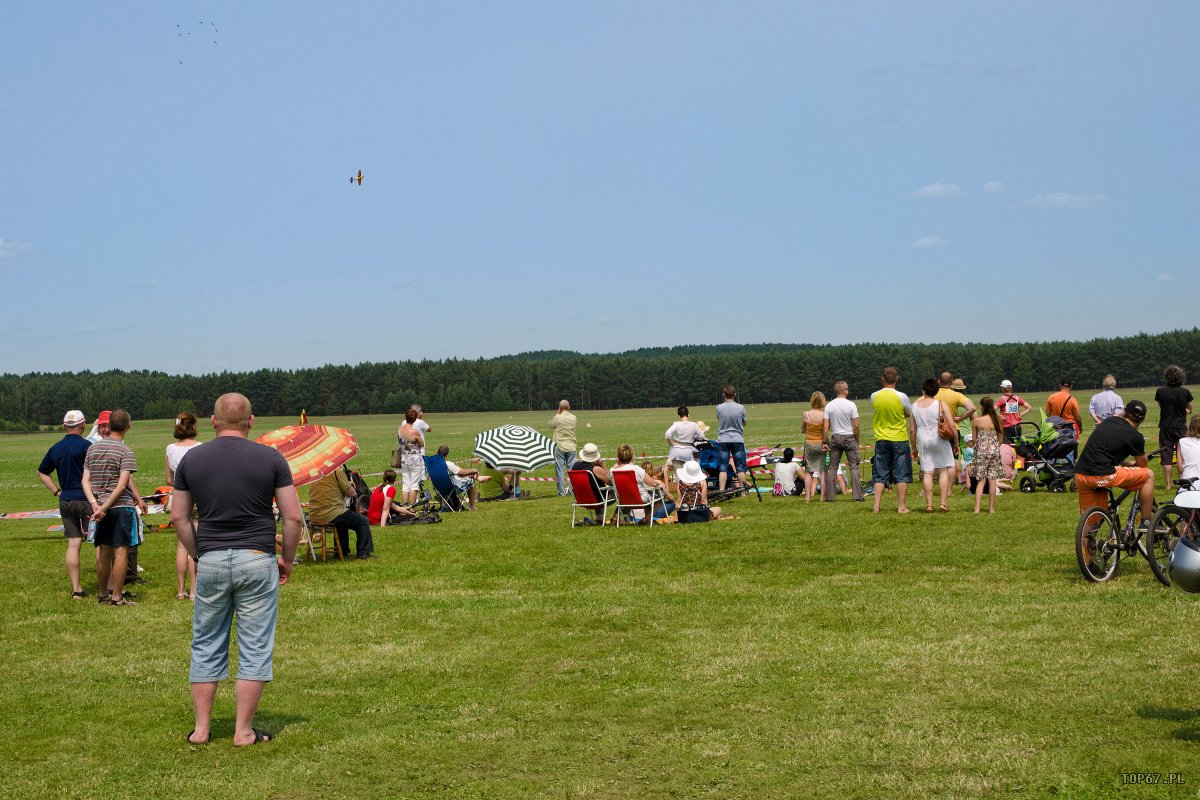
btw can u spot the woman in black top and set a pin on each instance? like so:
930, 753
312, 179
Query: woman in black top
1174, 404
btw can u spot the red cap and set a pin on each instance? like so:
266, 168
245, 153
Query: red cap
103, 418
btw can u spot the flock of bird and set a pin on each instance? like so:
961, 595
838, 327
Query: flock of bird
181, 33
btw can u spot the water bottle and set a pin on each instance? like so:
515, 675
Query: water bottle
91, 532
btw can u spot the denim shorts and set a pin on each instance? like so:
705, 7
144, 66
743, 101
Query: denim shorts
893, 462
735, 449
229, 582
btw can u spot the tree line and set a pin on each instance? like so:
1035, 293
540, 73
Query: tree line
650, 377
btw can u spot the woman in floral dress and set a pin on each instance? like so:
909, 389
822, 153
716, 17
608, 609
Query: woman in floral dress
986, 467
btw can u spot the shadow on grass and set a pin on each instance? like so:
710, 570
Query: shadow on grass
1187, 733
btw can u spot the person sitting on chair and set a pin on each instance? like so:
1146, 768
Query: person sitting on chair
645, 483
463, 479
327, 506
588, 460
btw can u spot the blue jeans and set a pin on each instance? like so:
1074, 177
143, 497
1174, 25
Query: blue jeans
563, 461
362, 531
735, 449
228, 582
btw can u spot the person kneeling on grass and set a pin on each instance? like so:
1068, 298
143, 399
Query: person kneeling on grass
691, 494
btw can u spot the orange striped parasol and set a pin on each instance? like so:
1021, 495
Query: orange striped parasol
312, 451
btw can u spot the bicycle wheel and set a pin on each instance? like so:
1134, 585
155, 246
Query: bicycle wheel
1096, 546
1166, 526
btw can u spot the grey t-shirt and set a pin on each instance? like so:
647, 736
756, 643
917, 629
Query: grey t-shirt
233, 482
731, 418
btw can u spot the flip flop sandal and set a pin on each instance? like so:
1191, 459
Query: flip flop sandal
122, 602
188, 739
260, 736
102, 599
78, 595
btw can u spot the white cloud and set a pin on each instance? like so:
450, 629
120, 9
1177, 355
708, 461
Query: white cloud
994, 187
1064, 200
1166, 277
938, 190
926, 242
13, 249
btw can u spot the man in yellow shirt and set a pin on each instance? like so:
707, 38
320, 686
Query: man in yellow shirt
960, 406
327, 506
894, 439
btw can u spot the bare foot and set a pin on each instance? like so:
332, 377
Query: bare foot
902, 511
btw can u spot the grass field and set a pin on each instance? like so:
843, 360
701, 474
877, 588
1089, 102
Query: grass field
796, 651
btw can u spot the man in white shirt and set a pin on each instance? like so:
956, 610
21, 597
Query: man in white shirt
463, 479
841, 433
421, 425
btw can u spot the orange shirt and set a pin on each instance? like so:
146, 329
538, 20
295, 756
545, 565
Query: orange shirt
1063, 404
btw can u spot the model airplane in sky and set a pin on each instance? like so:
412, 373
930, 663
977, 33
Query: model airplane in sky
357, 178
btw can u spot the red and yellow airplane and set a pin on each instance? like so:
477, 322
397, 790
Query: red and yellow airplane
357, 178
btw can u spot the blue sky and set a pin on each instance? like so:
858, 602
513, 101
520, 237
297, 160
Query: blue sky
594, 177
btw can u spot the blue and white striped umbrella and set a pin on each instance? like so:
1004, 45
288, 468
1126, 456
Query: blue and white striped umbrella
516, 447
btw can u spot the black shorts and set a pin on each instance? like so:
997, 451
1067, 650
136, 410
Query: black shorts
75, 515
120, 527
1168, 440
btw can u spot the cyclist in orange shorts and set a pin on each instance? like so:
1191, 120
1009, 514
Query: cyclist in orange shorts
1102, 464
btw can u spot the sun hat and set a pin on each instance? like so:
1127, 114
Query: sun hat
958, 385
690, 473
103, 418
74, 418
1006, 384
590, 453
702, 426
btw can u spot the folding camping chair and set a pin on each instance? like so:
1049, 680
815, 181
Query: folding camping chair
443, 488
589, 494
629, 496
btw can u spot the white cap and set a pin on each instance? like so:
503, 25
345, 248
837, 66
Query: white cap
1006, 384
73, 418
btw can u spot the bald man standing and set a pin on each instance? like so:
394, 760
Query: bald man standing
233, 484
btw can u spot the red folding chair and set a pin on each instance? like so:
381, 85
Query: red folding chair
629, 495
589, 494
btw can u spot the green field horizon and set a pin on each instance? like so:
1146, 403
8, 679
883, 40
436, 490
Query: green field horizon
793, 651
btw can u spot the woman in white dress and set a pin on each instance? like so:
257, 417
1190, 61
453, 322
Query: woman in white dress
185, 439
936, 454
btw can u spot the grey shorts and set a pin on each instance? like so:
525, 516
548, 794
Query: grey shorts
75, 517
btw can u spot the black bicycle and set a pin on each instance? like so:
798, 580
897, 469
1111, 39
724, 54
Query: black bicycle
1101, 538
1173, 521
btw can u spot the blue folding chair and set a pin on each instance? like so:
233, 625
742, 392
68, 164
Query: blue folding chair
444, 489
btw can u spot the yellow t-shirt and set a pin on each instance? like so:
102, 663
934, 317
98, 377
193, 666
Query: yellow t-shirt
955, 401
327, 497
890, 418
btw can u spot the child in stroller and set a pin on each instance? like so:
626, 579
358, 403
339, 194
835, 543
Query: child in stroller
1048, 451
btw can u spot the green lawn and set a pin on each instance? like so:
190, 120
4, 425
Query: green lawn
796, 651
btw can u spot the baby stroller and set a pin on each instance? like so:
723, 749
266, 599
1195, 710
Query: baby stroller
1048, 451
710, 462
